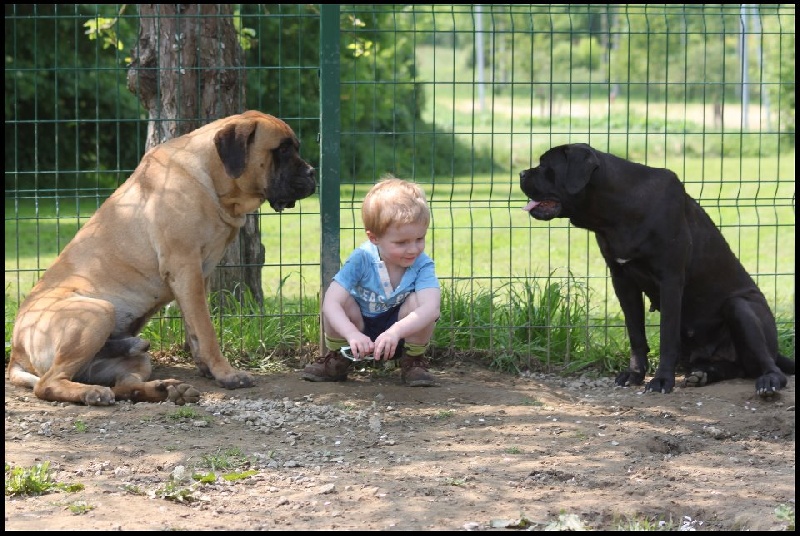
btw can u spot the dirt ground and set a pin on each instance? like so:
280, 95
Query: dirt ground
481, 451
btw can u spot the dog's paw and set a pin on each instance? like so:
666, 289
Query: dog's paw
205, 372
182, 393
236, 380
661, 385
97, 395
768, 385
629, 377
696, 378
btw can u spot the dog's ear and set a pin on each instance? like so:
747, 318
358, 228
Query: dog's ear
581, 163
233, 142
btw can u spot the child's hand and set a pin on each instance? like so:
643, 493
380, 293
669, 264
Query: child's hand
385, 346
361, 346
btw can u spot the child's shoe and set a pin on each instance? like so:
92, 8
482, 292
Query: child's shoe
331, 367
414, 371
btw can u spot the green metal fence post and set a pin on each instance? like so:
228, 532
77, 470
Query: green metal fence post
330, 132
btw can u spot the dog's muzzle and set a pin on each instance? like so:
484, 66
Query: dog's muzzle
293, 192
546, 209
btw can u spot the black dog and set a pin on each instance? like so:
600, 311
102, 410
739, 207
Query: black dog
656, 240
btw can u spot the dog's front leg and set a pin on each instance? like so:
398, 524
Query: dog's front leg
671, 298
188, 287
632, 303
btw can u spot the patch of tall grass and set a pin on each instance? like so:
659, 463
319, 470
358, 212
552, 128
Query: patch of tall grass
527, 325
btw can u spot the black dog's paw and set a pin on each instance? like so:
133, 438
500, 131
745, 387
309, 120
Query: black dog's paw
629, 377
696, 378
661, 385
769, 384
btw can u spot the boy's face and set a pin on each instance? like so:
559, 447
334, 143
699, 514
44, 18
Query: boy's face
400, 245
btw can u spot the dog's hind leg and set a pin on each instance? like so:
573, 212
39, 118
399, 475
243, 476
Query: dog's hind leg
128, 375
125, 346
61, 349
124, 365
705, 372
755, 336
56, 338
785, 364
176, 391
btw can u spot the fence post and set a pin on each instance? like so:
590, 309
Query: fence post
329, 158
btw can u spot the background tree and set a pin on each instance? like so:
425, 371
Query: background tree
186, 70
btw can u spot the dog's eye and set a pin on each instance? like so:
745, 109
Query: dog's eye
288, 146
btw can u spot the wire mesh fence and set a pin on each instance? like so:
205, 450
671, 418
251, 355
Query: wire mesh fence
458, 98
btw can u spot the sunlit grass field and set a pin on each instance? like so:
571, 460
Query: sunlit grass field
478, 231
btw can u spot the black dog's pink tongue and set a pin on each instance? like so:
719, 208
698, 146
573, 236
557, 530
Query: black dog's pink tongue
531, 205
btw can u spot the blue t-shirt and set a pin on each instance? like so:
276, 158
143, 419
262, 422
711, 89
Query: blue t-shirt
361, 277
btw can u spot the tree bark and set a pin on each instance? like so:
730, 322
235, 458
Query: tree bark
187, 71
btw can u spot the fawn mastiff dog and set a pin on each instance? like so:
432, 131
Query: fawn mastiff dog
156, 239
656, 240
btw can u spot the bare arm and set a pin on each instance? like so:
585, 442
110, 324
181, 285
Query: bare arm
418, 323
424, 313
338, 311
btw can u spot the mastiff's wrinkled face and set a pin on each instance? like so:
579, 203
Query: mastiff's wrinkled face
556, 185
294, 177
262, 154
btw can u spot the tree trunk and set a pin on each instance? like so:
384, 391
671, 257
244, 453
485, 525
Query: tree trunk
187, 71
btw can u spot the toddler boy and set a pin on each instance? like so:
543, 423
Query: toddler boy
385, 299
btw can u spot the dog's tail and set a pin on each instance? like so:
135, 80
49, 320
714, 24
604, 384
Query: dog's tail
785, 364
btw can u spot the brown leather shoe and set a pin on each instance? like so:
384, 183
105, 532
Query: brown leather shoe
331, 367
414, 371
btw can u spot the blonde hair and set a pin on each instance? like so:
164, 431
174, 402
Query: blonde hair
393, 201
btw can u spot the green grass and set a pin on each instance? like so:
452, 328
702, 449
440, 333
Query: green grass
785, 512
34, 480
644, 523
80, 507
532, 402
184, 413
231, 458
444, 414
